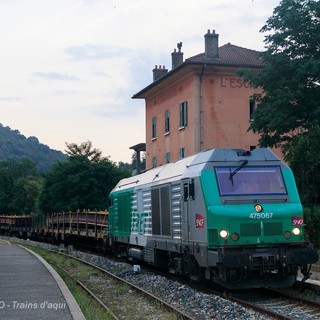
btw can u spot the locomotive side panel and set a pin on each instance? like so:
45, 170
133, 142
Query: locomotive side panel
167, 218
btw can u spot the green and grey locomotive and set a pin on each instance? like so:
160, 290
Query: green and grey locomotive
230, 216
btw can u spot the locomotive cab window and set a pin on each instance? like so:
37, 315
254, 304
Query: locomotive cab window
188, 190
264, 180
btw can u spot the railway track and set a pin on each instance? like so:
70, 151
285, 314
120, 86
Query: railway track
269, 304
283, 304
278, 304
102, 284
272, 303
91, 293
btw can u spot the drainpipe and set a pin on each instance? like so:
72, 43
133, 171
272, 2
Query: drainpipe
201, 108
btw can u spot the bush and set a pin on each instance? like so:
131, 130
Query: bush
312, 222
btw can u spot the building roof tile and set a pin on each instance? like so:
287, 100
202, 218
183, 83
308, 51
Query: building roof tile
231, 55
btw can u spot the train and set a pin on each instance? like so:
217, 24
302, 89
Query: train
82, 227
228, 216
18, 225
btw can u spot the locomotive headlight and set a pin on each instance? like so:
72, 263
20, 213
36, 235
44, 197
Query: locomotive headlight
296, 231
223, 234
258, 208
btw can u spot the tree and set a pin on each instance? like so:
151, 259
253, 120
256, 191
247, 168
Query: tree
288, 110
20, 187
142, 162
289, 103
26, 194
83, 181
84, 149
304, 159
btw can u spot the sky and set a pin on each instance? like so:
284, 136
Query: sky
69, 68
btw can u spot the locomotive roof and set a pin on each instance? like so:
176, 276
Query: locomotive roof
195, 163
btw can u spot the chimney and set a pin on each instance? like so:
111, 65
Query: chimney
211, 45
159, 72
177, 57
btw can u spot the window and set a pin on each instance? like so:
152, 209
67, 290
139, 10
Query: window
188, 190
167, 157
252, 105
154, 162
154, 127
263, 180
183, 114
167, 122
182, 153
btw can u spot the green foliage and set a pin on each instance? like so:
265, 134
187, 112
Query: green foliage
83, 181
290, 98
14, 145
304, 157
312, 221
20, 187
84, 149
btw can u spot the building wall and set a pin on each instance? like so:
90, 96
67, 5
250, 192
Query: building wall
177, 138
225, 101
226, 112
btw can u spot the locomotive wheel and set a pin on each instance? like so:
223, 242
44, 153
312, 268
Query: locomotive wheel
236, 274
195, 273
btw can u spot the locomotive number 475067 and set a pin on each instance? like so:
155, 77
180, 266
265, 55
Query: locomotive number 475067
261, 215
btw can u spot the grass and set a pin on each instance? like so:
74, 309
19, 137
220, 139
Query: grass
122, 289
91, 309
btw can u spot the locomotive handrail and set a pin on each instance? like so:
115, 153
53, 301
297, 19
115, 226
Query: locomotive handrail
254, 200
126, 184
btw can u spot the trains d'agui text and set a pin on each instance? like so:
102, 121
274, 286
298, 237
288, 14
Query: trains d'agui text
229, 216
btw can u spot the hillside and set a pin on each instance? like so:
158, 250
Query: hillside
14, 145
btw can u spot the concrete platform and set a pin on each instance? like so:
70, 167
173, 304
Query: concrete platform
31, 289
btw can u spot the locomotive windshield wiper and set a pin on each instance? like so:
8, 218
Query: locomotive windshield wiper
243, 163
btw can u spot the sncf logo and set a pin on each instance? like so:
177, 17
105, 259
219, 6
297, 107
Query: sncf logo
199, 221
297, 221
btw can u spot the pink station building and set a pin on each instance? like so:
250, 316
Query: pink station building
201, 103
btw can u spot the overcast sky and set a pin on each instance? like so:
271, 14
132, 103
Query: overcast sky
68, 68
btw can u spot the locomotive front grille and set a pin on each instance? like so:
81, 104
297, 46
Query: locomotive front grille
250, 229
272, 229
258, 229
